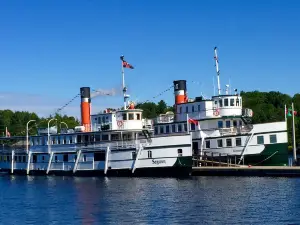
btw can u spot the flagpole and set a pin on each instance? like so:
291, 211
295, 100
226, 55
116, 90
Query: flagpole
123, 85
294, 136
285, 113
187, 122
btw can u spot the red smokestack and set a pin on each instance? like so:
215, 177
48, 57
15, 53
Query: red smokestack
85, 93
180, 92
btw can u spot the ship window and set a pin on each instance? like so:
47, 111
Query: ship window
220, 103
24, 158
186, 109
193, 109
71, 140
149, 154
16, 159
179, 151
220, 143
55, 158
179, 127
103, 119
78, 138
84, 158
228, 124
235, 123
131, 116
66, 158
64, 140
133, 155
173, 128
226, 102
161, 129
20, 158
99, 156
180, 109
97, 138
167, 129
237, 102
43, 158
228, 142
232, 102
104, 137
220, 124
207, 144
273, 138
241, 123
114, 137
58, 141
238, 142
185, 127
138, 116
260, 140
199, 108
193, 126
124, 115
155, 130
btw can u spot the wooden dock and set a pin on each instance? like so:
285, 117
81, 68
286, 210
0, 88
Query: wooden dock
271, 171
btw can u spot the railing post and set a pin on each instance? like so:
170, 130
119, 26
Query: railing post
212, 159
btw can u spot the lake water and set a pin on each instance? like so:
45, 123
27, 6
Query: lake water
196, 200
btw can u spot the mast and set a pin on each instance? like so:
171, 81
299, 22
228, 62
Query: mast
123, 82
218, 72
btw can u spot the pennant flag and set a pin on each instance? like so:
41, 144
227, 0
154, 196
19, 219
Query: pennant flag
193, 121
126, 64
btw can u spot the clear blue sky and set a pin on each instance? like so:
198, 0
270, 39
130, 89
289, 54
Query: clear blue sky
49, 49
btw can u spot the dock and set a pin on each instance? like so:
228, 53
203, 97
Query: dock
271, 171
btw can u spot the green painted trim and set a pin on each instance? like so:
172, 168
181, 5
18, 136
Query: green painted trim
184, 161
272, 155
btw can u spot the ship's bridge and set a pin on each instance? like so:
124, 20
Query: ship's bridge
229, 105
118, 120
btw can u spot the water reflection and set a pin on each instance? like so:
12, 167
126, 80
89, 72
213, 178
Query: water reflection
200, 200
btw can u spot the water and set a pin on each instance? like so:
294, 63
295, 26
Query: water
198, 200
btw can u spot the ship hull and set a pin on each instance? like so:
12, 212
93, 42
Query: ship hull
181, 168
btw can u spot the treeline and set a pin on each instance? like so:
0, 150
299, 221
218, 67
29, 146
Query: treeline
16, 121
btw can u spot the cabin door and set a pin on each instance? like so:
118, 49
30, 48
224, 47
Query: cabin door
195, 148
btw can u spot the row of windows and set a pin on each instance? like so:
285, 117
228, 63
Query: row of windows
79, 138
165, 129
131, 116
228, 124
238, 141
229, 102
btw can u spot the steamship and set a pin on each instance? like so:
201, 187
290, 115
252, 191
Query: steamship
110, 143
222, 129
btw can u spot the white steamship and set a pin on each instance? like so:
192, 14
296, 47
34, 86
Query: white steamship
115, 142
221, 127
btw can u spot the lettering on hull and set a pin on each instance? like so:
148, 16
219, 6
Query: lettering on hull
157, 162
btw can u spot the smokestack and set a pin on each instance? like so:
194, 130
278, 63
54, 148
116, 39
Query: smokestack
85, 93
180, 91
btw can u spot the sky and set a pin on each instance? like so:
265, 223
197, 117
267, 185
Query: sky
49, 49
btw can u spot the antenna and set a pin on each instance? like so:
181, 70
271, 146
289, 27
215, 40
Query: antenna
218, 71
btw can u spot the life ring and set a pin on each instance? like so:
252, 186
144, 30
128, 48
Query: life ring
120, 123
216, 112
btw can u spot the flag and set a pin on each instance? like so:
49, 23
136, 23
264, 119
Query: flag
289, 112
125, 64
193, 121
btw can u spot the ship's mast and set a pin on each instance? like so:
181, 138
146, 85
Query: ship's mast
218, 72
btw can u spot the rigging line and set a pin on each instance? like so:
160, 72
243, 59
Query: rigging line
160, 94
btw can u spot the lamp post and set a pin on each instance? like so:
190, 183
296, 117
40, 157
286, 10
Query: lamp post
27, 136
49, 129
64, 124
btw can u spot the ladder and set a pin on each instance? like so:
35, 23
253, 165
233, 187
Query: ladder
244, 150
106, 159
28, 162
77, 161
140, 149
49, 163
